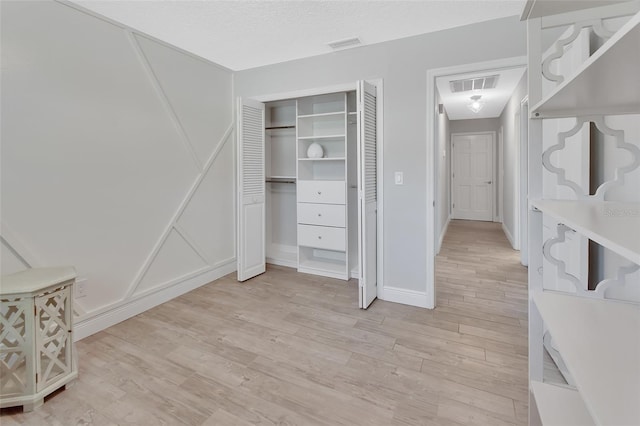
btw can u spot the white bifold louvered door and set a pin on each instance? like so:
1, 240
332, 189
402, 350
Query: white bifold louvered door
251, 190
367, 193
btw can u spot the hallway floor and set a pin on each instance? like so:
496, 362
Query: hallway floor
481, 286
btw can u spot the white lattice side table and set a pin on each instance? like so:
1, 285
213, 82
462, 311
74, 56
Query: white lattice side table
36, 344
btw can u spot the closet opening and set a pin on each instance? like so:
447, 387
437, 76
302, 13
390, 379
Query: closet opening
308, 185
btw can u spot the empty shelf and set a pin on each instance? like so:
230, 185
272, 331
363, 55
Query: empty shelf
615, 226
600, 342
560, 406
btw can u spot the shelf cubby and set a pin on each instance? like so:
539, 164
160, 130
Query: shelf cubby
322, 262
321, 104
321, 170
613, 225
331, 125
606, 83
332, 147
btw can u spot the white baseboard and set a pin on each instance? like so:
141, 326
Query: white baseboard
443, 233
129, 308
509, 236
406, 297
282, 262
355, 273
282, 255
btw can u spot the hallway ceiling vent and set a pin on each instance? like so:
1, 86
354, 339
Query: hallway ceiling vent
478, 83
343, 44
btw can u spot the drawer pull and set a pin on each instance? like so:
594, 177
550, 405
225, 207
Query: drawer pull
319, 237
319, 214
319, 192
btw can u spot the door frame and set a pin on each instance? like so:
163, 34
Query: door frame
347, 87
498, 175
431, 155
493, 172
523, 193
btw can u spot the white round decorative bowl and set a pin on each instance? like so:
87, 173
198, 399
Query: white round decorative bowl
315, 151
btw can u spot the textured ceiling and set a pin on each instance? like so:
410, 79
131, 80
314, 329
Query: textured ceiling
494, 99
245, 34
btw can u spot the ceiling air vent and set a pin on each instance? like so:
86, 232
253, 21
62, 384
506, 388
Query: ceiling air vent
343, 44
478, 83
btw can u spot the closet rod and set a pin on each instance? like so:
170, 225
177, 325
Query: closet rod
280, 181
279, 127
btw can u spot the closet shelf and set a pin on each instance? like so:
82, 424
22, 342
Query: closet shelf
600, 343
613, 225
606, 83
310, 138
323, 114
323, 159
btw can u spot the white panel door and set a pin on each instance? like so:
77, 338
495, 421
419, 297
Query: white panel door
251, 190
472, 179
367, 193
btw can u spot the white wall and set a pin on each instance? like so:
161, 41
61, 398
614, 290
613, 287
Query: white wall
476, 125
117, 158
402, 64
443, 196
511, 159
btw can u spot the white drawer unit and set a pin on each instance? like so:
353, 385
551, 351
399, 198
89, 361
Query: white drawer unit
322, 237
322, 214
322, 191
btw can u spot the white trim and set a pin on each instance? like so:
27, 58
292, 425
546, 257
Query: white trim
498, 178
516, 198
443, 232
121, 311
162, 95
431, 182
379, 83
494, 213
271, 97
509, 236
178, 214
13, 243
281, 261
406, 297
523, 192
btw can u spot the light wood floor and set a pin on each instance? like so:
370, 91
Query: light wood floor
288, 348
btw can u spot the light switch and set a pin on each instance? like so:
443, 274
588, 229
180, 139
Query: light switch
399, 178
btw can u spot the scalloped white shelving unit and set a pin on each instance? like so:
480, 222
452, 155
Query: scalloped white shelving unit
597, 339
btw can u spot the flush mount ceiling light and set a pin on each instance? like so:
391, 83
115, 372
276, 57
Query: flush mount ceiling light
476, 104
